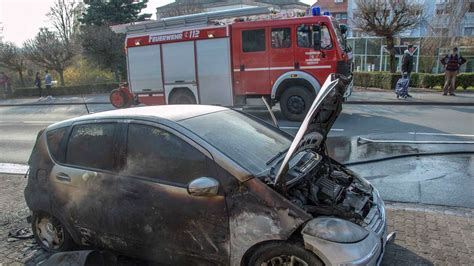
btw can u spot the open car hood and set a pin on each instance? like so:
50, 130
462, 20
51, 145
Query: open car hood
317, 123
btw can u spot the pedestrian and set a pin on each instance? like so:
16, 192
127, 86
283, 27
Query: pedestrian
452, 63
48, 81
407, 65
38, 85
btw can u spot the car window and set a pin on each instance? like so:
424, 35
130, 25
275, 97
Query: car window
248, 142
91, 146
156, 153
281, 38
253, 40
54, 139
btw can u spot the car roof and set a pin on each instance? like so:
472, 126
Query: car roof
168, 112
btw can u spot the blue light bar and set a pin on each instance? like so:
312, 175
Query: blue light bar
327, 13
316, 10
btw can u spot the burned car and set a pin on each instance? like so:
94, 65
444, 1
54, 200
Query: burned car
203, 185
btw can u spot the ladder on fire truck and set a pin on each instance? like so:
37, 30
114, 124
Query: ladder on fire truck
198, 19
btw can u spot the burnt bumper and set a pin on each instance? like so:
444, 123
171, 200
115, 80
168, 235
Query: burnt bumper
368, 251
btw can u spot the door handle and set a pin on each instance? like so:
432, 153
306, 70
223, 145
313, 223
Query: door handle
242, 67
63, 177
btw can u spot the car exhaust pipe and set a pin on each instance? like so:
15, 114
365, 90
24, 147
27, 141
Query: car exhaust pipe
391, 237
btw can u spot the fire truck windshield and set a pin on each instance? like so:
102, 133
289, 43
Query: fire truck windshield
340, 38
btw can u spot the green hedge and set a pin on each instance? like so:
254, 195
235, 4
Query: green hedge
69, 90
387, 81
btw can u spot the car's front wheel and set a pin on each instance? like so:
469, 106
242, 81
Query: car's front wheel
283, 254
50, 234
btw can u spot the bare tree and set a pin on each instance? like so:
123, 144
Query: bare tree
64, 15
387, 18
12, 57
50, 51
180, 8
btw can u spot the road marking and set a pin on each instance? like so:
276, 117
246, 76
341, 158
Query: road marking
441, 134
28, 122
332, 129
13, 168
365, 140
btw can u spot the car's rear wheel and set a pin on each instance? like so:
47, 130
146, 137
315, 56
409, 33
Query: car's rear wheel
50, 234
283, 254
295, 102
182, 96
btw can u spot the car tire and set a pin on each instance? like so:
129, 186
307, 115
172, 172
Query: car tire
182, 96
282, 253
50, 233
295, 102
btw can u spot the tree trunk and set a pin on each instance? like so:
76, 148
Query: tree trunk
22, 80
391, 49
61, 76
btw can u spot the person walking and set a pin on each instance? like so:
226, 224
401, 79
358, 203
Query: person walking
407, 65
38, 85
452, 63
48, 81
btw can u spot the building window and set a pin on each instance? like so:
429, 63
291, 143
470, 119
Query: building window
281, 38
471, 7
253, 40
469, 31
338, 1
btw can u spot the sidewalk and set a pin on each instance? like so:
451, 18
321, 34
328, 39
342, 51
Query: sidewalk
359, 96
420, 97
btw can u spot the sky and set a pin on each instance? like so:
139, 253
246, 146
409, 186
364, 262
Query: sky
21, 19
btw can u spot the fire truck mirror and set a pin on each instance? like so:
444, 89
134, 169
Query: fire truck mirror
317, 37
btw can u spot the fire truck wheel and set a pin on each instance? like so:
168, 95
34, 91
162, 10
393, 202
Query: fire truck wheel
295, 102
120, 99
182, 96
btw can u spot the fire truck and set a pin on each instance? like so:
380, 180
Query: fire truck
194, 59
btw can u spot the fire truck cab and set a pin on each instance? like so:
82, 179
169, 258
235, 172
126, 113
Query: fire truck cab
189, 60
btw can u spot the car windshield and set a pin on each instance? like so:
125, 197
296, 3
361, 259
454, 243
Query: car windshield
246, 141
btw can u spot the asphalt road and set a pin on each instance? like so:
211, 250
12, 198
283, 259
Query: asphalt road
441, 180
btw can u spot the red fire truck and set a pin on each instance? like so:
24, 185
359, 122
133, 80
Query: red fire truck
194, 60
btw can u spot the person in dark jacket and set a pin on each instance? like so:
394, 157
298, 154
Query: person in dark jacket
452, 63
407, 64
38, 84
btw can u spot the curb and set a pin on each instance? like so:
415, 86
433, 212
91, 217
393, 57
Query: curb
47, 104
409, 103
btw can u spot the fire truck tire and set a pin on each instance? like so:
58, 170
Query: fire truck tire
295, 102
182, 96
120, 99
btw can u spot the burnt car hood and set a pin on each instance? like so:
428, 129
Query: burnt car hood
318, 122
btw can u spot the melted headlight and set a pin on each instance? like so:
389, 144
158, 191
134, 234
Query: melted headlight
335, 230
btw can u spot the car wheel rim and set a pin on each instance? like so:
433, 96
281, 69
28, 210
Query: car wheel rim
285, 260
296, 104
50, 235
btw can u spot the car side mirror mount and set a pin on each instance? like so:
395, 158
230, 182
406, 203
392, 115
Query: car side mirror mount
203, 187
317, 37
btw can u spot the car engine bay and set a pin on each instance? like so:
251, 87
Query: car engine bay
323, 187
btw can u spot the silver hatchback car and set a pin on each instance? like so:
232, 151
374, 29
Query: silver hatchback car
203, 185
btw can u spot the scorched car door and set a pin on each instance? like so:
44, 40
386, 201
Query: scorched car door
156, 209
